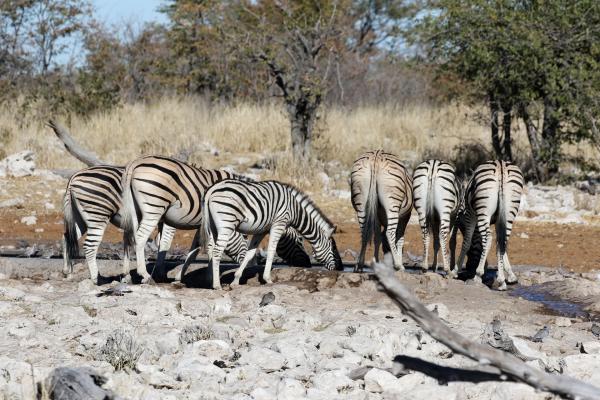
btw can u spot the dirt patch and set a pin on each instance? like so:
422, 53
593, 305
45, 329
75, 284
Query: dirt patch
572, 247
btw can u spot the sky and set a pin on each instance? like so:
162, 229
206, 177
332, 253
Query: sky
119, 11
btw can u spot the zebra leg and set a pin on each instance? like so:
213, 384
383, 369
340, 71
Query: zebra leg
425, 234
166, 238
486, 243
93, 238
500, 280
126, 271
67, 265
194, 250
361, 258
216, 253
397, 240
250, 253
443, 235
466, 244
512, 278
277, 230
145, 229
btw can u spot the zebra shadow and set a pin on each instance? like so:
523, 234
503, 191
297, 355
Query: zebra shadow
199, 275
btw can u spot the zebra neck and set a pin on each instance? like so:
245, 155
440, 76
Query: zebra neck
307, 221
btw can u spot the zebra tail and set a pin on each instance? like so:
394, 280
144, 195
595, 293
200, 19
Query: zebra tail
205, 229
129, 219
501, 220
429, 204
371, 211
70, 219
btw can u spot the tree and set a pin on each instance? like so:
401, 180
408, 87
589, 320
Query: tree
535, 60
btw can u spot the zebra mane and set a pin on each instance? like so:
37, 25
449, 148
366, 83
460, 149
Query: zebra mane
310, 201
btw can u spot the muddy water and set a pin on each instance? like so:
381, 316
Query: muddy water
555, 305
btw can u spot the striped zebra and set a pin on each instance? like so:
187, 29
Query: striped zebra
261, 208
92, 200
161, 189
437, 194
492, 196
381, 196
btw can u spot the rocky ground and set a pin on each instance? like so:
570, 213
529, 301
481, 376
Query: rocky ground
310, 342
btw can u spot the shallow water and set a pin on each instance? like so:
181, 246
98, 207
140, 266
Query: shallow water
556, 305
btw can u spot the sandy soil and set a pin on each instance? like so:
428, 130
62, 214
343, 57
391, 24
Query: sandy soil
570, 246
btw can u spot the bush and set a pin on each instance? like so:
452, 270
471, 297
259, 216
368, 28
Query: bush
194, 333
121, 350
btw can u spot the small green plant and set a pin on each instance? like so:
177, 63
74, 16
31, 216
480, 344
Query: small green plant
121, 350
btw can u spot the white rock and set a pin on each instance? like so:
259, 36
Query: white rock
190, 369
591, 347
222, 306
379, 381
290, 389
562, 322
523, 235
39, 230
152, 375
212, 349
16, 202
30, 220
442, 310
266, 359
16, 381
19, 164
49, 206
261, 393
334, 382
167, 342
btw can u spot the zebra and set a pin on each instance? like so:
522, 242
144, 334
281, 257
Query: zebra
258, 209
92, 200
492, 196
381, 189
161, 189
437, 194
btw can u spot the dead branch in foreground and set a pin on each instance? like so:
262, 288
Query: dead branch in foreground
483, 354
86, 157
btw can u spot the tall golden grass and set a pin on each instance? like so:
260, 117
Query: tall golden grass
246, 133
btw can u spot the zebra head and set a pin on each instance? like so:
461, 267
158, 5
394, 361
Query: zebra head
325, 250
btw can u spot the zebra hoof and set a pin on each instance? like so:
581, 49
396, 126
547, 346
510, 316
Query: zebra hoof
501, 286
219, 287
512, 279
147, 280
126, 279
235, 284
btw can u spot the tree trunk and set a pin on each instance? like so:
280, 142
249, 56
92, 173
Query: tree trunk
302, 114
495, 109
534, 144
550, 154
507, 141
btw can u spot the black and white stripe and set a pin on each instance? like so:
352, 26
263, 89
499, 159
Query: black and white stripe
437, 195
91, 201
161, 189
261, 208
381, 190
492, 196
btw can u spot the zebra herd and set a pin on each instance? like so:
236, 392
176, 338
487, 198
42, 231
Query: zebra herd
155, 192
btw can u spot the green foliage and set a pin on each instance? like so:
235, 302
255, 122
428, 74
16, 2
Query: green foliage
538, 59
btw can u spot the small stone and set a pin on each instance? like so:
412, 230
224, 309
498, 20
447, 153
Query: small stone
30, 220
523, 235
590, 347
379, 381
562, 322
39, 230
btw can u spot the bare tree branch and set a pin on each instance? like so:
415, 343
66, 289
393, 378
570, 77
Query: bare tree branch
86, 157
483, 354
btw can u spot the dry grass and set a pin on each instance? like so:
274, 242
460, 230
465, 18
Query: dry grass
246, 134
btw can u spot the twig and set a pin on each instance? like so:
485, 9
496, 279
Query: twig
483, 354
